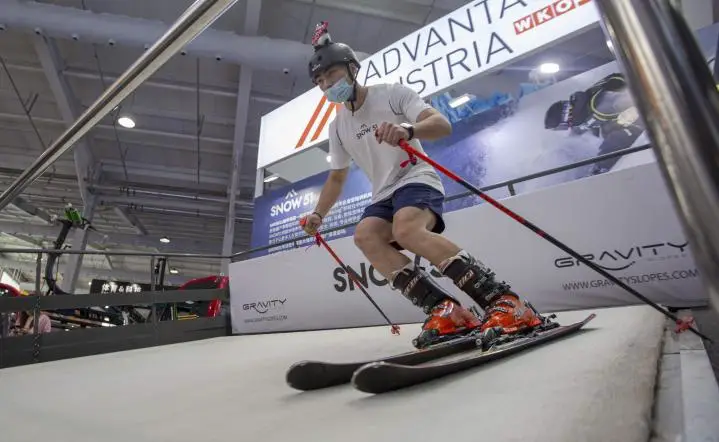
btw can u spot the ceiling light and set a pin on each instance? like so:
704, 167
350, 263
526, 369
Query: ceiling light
549, 68
457, 102
329, 158
126, 122
271, 178
164, 240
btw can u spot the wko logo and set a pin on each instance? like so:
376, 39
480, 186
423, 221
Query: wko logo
293, 201
311, 124
547, 13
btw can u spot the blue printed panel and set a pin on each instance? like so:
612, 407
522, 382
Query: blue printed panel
278, 213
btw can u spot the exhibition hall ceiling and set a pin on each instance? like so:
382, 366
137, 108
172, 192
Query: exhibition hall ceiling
168, 175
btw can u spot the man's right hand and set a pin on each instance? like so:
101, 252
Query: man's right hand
311, 223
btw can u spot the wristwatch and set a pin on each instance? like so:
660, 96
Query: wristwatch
410, 130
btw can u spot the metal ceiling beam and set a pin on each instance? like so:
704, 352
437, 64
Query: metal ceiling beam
218, 91
131, 220
136, 130
252, 22
133, 192
194, 20
29, 208
52, 66
391, 10
260, 53
141, 204
136, 169
124, 240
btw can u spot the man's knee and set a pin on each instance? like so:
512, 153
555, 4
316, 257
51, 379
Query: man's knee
370, 235
409, 225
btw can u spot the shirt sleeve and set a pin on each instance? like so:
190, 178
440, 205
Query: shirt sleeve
45, 325
405, 100
339, 158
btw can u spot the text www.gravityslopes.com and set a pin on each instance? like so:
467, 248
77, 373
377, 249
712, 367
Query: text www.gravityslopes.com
635, 279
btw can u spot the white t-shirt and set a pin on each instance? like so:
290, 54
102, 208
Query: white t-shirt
351, 137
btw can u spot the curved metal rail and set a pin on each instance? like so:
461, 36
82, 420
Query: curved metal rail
677, 97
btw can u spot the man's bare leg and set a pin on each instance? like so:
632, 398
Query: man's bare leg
412, 229
373, 236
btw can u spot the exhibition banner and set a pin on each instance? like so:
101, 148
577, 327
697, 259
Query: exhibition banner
611, 219
481, 36
489, 144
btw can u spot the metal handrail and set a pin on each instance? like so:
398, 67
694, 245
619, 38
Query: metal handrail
193, 21
677, 97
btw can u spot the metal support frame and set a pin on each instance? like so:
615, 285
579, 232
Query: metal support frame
677, 97
193, 21
79, 242
252, 22
51, 63
126, 239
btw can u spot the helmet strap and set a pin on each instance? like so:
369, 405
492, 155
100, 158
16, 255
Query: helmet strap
353, 98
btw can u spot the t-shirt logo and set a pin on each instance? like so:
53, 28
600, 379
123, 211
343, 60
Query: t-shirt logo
364, 130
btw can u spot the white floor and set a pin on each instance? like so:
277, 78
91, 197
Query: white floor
595, 386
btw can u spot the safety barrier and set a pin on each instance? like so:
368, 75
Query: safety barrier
36, 347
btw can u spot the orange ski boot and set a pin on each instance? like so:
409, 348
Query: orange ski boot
511, 314
448, 320
505, 312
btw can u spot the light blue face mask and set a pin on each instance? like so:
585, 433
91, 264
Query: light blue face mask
340, 92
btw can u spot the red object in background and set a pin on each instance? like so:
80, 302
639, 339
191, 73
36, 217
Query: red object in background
12, 291
208, 282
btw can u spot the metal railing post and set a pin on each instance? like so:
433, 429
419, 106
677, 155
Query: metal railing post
36, 310
676, 95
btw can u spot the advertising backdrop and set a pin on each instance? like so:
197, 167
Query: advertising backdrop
487, 146
478, 37
610, 218
493, 140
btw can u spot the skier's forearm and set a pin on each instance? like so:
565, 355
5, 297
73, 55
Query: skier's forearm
331, 191
432, 125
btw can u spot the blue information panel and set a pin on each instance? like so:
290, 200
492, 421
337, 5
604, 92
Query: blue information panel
278, 213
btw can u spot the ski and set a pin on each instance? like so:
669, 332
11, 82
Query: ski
314, 375
383, 376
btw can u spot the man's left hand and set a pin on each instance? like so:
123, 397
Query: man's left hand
391, 133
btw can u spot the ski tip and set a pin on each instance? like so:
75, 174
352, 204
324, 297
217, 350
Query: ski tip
293, 373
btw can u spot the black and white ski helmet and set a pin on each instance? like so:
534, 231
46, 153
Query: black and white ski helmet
328, 53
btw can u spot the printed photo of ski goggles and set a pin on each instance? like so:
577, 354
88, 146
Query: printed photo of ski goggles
559, 115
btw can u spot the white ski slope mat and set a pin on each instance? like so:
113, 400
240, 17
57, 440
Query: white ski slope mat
597, 385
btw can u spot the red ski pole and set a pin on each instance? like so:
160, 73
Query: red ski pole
682, 324
321, 241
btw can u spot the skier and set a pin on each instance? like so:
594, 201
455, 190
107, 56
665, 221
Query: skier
606, 111
406, 207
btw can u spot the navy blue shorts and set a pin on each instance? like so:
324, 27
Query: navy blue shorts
410, 195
